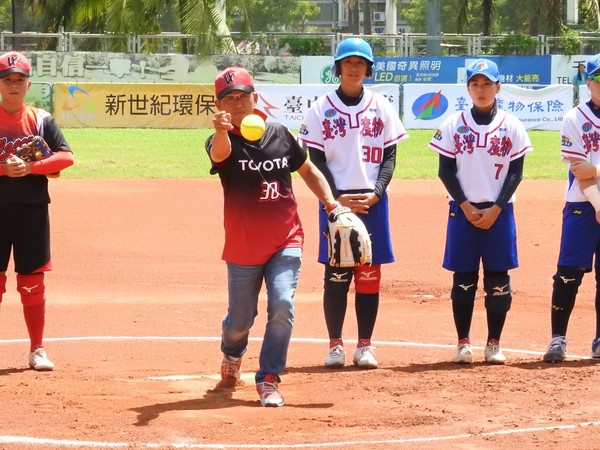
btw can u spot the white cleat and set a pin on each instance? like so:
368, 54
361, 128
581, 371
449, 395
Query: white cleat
38, 360
493, 354
336, 357
364, 357
463, 354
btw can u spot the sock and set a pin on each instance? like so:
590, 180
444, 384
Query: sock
334, 342
2, 285
495, 323
35, 319
366, 306
363, 343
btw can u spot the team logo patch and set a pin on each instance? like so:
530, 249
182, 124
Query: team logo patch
586, 127
330, 113
438, 135
463, 129
480, 67
303, 130
430, 106
565, 141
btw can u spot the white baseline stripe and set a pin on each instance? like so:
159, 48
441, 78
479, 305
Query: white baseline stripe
70, 443
305, 340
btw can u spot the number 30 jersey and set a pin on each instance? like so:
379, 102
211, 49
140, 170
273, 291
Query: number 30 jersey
352, 137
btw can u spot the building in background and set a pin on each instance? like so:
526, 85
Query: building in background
386, 17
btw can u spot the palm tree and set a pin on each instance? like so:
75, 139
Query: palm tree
204, 18
593, 7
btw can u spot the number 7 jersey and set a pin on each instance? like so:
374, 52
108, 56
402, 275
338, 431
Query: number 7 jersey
352, 137
482, 152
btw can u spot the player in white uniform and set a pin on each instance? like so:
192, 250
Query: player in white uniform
351, 134
481, 155
580, 239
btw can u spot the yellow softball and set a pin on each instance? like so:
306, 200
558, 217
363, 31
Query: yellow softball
252, 127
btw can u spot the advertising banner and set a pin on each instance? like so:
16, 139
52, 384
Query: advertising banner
520, 70
133, 105
288, 104
540, 109
129, 105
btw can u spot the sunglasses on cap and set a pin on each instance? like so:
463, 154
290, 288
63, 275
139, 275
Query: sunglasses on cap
595, 77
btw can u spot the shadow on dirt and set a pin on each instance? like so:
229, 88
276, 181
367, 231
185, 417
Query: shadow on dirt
221, 396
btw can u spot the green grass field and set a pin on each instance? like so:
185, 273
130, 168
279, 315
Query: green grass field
174, 153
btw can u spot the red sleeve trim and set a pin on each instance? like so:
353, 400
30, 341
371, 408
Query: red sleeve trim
55, 163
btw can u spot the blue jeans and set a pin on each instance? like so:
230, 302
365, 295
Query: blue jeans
244, 282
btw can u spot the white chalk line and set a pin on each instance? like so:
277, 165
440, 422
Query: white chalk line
430, 439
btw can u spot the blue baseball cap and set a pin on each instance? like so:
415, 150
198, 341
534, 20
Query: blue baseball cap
483, 67
593, 64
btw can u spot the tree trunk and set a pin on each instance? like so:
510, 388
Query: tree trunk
355, 26
366, 17
182, 9
18, 7
486, 11
555, 17
534, 18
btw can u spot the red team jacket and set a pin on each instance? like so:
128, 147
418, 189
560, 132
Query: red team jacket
15, 130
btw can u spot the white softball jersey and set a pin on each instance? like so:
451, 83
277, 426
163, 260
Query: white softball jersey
353, 137
580, 139
482, 152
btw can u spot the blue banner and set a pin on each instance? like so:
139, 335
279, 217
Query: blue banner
517, 70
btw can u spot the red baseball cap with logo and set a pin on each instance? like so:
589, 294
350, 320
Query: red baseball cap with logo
14, 62
233, 79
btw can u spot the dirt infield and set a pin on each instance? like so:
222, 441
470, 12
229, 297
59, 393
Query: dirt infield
134, 311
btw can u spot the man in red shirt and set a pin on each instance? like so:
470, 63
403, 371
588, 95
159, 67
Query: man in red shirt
263, 233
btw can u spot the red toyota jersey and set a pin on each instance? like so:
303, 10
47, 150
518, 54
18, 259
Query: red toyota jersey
260, 209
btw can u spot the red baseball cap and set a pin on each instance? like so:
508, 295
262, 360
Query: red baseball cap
14, 62
233, 79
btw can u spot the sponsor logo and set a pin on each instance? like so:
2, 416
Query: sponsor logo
80, 100
465, 287
29, 288
328, 75
338, 277
430, 106
366, 276
267, 165
500, 290
565, 141
566, 280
